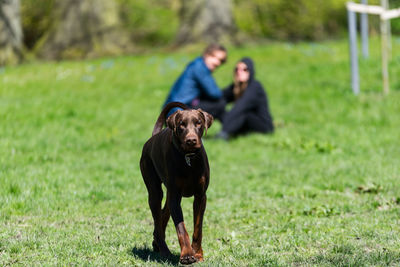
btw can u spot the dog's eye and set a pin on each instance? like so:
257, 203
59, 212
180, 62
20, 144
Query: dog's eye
198, 122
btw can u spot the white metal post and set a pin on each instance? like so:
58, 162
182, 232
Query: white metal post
386, 15
364, 32
385, 48
355, 81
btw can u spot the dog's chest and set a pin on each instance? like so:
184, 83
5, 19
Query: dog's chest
189, 185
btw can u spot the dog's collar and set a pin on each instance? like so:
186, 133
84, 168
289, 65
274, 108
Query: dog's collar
188, 156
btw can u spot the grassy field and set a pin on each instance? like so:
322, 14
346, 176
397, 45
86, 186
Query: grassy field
323, 190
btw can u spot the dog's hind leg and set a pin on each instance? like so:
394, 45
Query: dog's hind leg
165, 214
153, 184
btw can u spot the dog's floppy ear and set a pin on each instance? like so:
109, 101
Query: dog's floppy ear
208, 118
171, 121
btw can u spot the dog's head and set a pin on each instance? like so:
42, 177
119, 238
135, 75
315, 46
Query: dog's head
188, 126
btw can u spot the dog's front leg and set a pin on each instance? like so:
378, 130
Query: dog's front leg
199, 206
187, 254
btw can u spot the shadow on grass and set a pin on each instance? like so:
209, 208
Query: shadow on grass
147, 254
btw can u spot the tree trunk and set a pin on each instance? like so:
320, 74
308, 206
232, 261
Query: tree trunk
10, 32
209, 21
84, 29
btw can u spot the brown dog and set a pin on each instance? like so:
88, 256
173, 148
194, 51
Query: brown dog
175, 156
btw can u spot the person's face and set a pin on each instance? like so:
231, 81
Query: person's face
215, 59
242, 73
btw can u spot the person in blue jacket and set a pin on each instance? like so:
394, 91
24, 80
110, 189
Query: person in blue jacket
196, 86
250, 111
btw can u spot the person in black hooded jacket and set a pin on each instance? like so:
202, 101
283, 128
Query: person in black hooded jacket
250, 112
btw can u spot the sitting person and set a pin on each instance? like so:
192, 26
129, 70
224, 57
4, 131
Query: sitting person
250, 111
196, 86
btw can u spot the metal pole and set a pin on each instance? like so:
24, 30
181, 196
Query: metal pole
364, 31
355, 80
385, 52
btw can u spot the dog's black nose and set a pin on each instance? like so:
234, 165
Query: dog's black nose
191, 141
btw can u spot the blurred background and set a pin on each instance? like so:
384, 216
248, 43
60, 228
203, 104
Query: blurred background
77, 29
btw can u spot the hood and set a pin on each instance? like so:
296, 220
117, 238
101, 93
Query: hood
250, 65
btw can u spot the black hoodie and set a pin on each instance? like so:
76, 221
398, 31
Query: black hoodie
254, 100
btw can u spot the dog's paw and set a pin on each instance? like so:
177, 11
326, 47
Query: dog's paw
199, 256
165, 254
187, 259
198, 252
164, 251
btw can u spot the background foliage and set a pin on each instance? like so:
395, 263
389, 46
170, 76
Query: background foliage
150, 22
293, 20
395, 23
155, 22
36, 18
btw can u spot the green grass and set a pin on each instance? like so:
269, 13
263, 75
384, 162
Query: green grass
323, 190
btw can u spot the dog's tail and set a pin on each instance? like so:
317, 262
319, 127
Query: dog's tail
163, 115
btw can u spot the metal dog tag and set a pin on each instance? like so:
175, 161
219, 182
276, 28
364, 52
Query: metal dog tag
187, 158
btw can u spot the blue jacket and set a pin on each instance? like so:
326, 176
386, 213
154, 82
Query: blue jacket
196, 82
